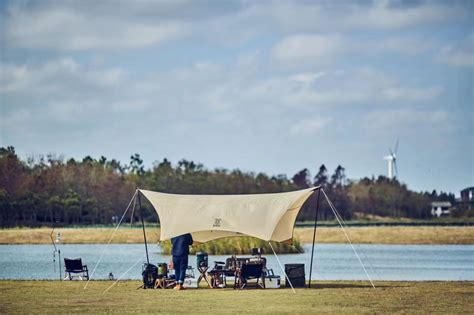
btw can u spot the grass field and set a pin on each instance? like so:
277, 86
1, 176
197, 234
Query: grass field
361, 235
391, 235
326, 297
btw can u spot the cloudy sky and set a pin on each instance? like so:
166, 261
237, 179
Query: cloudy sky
271, 86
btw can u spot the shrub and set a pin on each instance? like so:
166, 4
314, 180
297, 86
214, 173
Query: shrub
239, 246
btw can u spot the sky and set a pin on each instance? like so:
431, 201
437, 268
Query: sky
263, 86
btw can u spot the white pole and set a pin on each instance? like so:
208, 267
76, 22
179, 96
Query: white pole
390, 161
110, 239
286, 276
337, 215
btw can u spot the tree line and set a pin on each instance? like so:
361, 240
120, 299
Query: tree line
48, 190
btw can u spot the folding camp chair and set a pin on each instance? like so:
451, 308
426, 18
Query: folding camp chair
75, 266
249, 272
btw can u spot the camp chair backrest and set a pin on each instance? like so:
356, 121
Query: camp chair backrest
73, 264
251, 271
233, 263
263, 260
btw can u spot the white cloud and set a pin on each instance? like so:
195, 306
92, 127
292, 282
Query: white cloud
303, 51
404, 45
61, 77
459, 54
13, 77
353, 87
17, 122
306, 77
410, 119
299, 17
397, 93
111, 25
306, 48
385, 16
310, 126
230, 96
70, 28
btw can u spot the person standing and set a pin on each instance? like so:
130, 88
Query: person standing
180, 251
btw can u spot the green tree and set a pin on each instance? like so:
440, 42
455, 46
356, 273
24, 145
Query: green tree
301, 179
136, 164
321, 177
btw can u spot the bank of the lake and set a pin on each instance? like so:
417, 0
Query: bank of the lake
361, 235
334, 297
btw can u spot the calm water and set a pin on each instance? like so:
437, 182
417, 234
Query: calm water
331, 261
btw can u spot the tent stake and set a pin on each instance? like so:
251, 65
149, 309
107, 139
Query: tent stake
143, 227
314, 237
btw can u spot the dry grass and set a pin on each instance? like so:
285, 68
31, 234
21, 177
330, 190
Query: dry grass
390, 235
363, 235
326, 297
77, 235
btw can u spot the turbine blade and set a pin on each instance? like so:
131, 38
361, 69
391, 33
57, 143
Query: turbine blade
395, 166
396, 147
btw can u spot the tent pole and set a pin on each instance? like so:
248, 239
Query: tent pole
133, 212
143, 227
314, 237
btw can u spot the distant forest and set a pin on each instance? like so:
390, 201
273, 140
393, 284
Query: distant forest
47, 189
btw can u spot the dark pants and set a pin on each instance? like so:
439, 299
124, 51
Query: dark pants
180, 265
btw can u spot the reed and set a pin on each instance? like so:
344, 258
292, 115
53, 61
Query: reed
239, 246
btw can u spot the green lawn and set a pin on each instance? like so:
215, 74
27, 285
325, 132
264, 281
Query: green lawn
326, 297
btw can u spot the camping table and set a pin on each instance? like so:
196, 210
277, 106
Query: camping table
203, 275
217, 277
164, 283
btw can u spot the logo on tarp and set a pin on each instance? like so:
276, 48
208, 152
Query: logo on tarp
217, 222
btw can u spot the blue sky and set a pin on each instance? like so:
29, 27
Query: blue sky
271, 86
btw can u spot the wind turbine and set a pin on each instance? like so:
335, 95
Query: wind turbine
392, 162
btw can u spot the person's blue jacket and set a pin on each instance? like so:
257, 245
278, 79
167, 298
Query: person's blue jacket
180, 244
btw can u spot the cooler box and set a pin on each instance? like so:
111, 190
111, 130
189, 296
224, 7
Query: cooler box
190, 283
272, 282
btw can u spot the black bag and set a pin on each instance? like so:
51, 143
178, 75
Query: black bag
149, 274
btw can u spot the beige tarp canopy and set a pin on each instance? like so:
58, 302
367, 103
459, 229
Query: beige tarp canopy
270, 217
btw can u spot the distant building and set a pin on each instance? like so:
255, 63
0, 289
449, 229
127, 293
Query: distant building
467, 198
440, 208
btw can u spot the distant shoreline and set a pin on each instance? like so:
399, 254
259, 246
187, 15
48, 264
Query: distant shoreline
360, 235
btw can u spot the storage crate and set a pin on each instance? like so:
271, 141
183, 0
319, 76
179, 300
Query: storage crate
272, 282
190, 283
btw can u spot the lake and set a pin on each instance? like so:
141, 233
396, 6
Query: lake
331, 261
